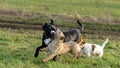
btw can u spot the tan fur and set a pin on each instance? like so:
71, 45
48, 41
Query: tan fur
58, 47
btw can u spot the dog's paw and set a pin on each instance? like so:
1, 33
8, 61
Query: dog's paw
43, 49
36, 55
44, 60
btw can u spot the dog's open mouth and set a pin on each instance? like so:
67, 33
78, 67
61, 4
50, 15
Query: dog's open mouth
52, 37
62, 38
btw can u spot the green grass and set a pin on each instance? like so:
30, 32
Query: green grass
17, 48
95, 10
83, 7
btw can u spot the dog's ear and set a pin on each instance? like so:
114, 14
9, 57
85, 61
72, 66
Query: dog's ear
83, 42
52, 22
45, 25
80, 40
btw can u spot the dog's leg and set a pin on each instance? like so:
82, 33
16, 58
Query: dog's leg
76, 55
45, 49
101, 54
49, 57
88, 55
54, 58
39, 49
80, 54
37, 52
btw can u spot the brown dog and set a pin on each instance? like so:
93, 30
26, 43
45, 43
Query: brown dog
58, 47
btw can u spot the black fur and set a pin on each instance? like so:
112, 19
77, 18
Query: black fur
73, 34
42, 46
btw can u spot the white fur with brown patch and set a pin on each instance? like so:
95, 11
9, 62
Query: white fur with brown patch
93, 49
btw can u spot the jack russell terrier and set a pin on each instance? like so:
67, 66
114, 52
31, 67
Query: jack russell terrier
93, 49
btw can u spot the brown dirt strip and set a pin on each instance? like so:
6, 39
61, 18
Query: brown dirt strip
20, 25
37, 26
102, 32
58, 17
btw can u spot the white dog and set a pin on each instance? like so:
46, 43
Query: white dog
93, 49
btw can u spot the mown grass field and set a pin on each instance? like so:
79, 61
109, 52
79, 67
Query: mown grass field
17, 48
98, 11
101, 19
83, 7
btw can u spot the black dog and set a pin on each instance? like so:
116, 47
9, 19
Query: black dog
49, 31
46, 37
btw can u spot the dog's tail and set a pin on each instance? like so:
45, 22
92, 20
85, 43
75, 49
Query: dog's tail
81, 26
105, 42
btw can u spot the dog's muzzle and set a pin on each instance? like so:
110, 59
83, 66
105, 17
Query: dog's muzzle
53, 34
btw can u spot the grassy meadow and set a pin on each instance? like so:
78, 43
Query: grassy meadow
101, 19
17, 48
98, 11
83, 7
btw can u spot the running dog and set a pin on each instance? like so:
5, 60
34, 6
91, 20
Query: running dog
93, 49
58, 47
46, 37
49, 31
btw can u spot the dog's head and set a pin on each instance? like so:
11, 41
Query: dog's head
58, 35
49, 29
52, 31
81, 42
